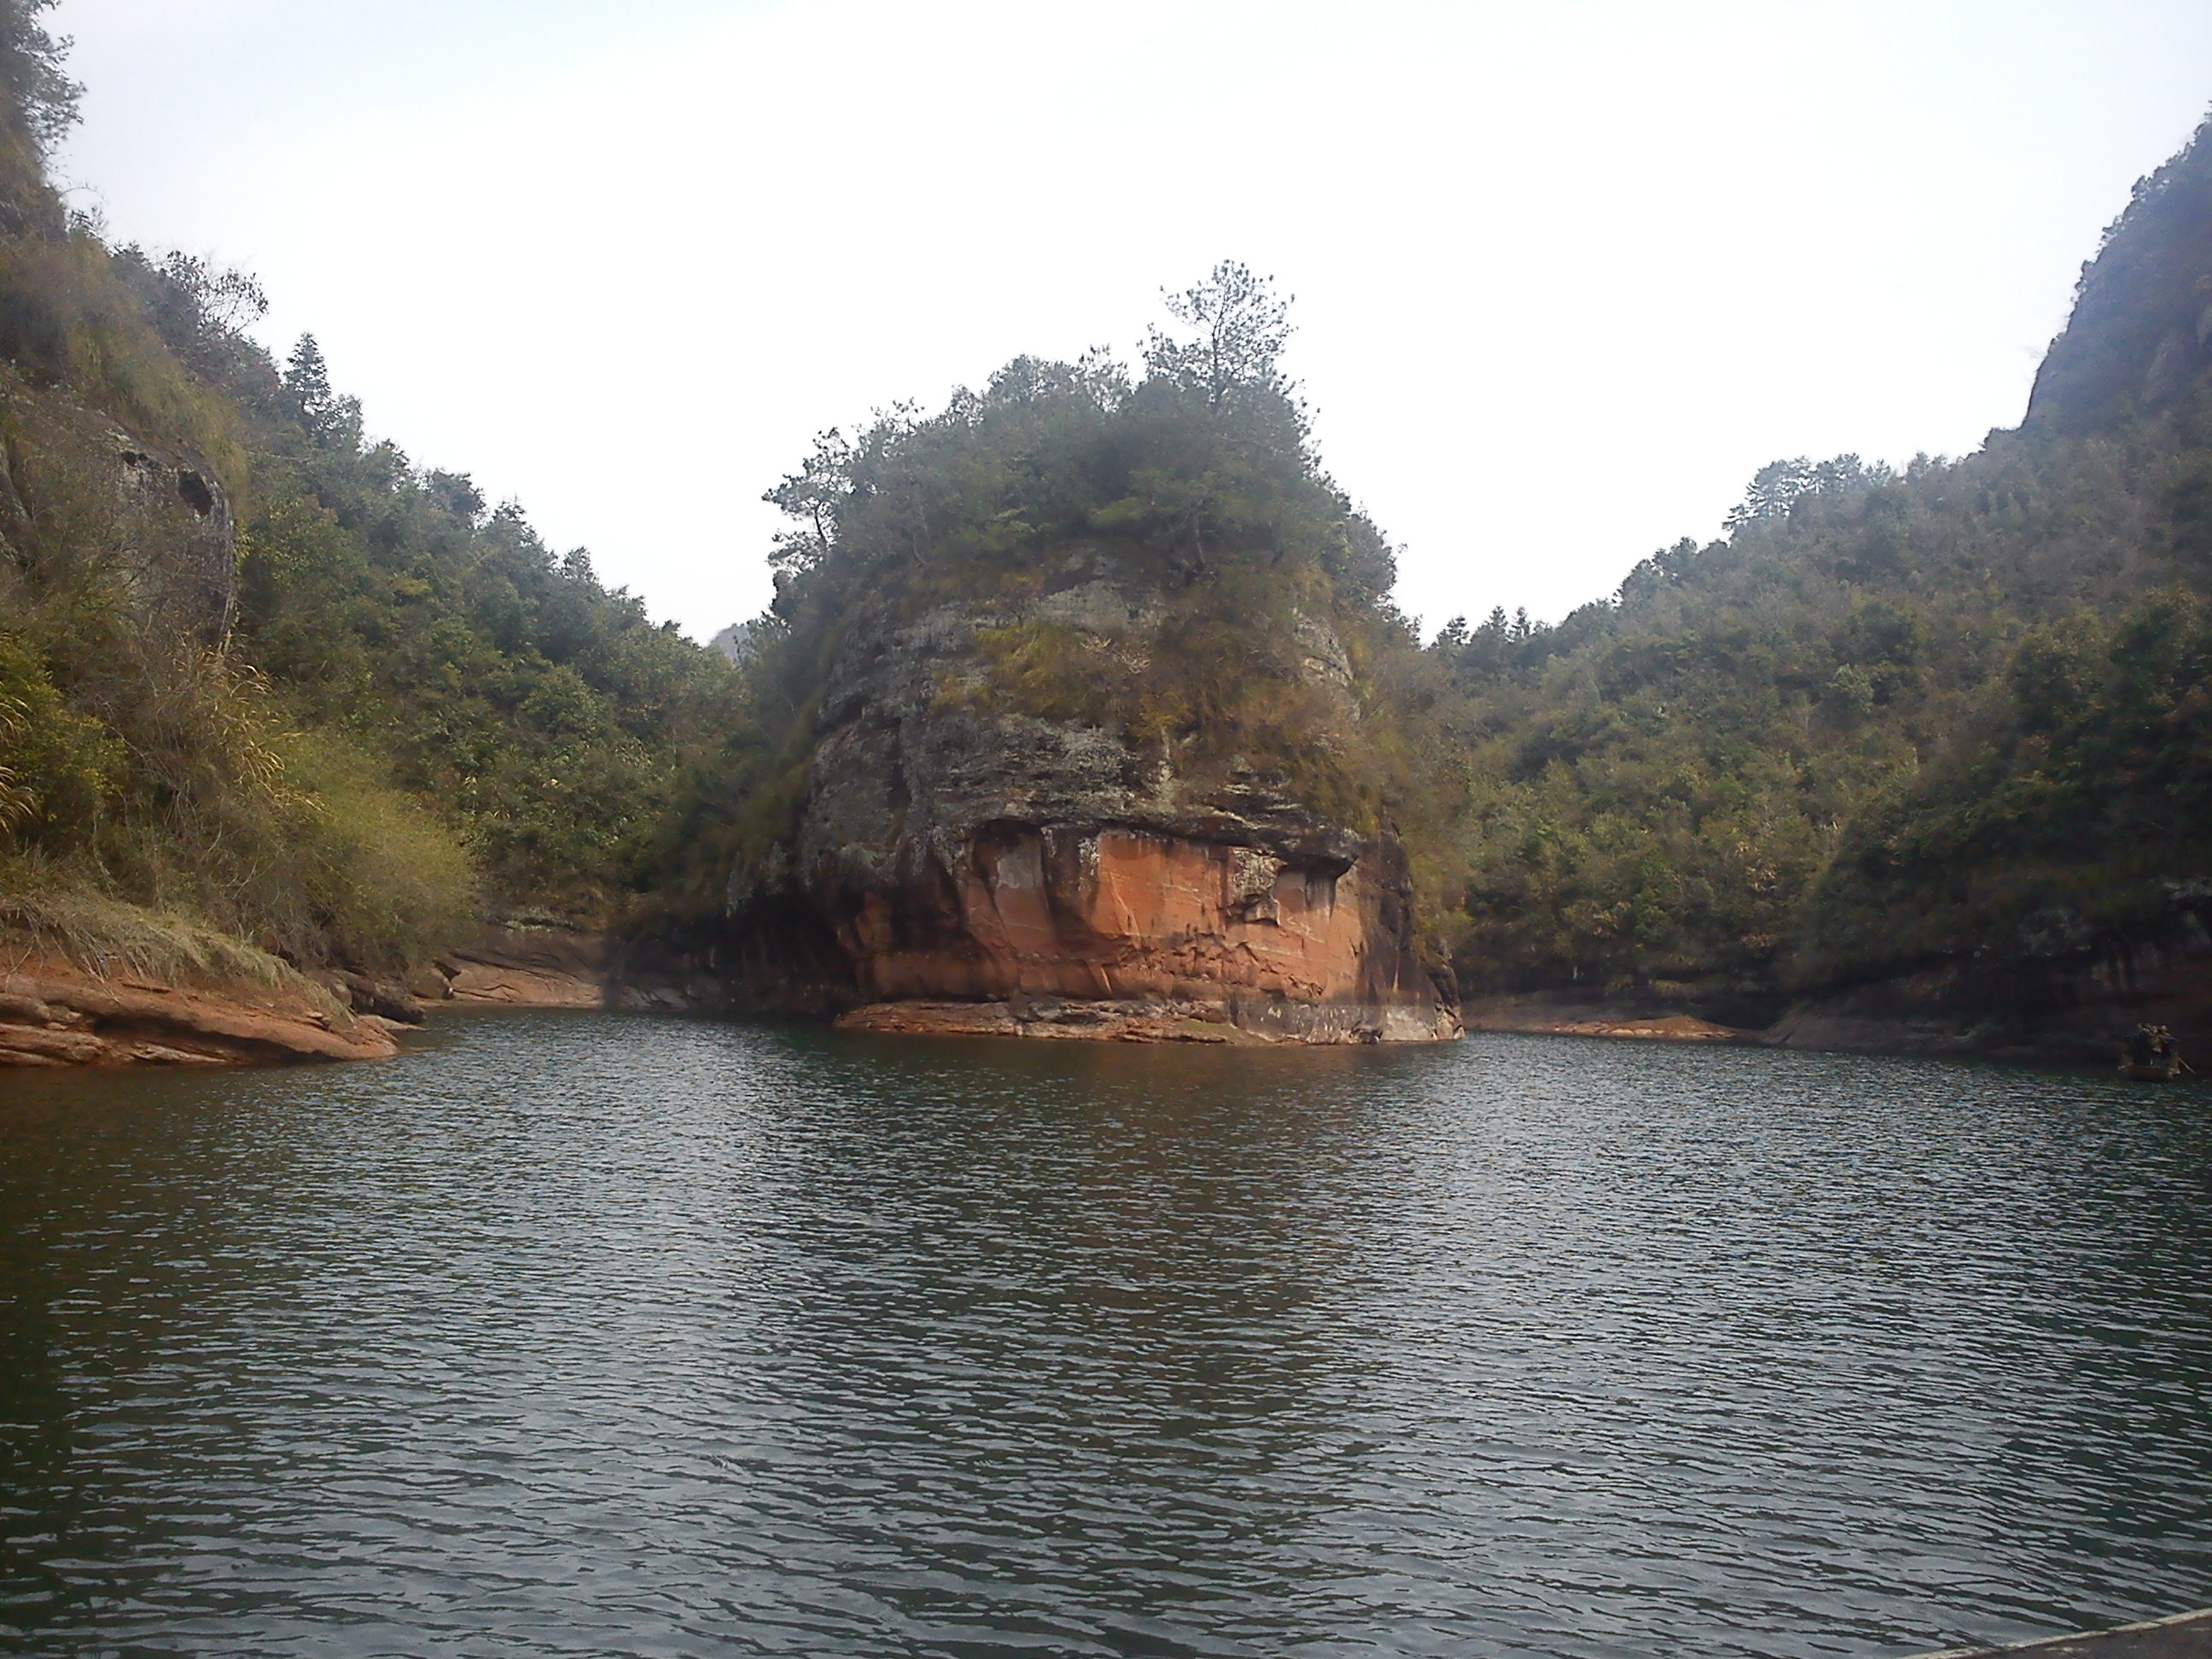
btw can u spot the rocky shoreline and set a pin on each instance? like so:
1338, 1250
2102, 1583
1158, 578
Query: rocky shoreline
529, 967
1259, 1024
54, 1013
1548, 1016
2072, 1014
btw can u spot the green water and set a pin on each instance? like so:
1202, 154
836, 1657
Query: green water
580, 1334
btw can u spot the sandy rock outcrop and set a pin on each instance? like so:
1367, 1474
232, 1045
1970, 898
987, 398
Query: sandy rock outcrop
522, 966
1282, 943
385, 998
1554, 1015
952, 854
54, 1013
1088, 1019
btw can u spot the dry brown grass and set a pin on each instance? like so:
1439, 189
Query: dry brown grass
43, 913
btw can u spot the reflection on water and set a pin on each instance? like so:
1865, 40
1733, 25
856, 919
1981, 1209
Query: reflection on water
573, 1335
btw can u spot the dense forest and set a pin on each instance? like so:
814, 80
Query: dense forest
379, 710
1955, 712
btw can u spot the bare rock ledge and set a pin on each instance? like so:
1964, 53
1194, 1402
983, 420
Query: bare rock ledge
54, 1013
1139, 1020
520, 966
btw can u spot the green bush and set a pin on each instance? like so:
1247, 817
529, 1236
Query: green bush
388, 883
58, 767
1192, 488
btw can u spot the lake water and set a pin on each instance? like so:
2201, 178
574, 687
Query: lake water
581, 1334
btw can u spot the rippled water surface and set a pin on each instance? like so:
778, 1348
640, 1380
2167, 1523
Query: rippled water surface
576, 1334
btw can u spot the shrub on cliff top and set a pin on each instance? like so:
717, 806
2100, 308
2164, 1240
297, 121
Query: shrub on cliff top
1194, 483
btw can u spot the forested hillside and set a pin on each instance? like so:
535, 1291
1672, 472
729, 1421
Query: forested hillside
264, 679
1953, 713
261, 676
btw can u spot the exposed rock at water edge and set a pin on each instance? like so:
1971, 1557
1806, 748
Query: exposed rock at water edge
54, 1013
952, 852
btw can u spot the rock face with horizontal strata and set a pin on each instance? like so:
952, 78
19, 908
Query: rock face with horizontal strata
954, 854
52, 1012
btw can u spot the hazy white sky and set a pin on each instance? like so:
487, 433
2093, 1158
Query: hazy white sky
1567, 272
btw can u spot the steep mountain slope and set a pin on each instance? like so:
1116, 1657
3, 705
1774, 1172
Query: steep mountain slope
2138, 339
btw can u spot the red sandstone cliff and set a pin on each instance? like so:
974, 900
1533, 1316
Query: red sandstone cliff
959, 867
1149, 926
